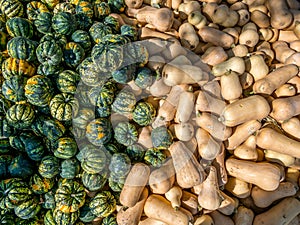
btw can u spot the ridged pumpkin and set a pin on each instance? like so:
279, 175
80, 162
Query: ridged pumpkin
64, 23
98, 30
18, 26
101, 9
94, 182
69, 196
5, 160
82, 37
43, 22
70, 168
17, 67
113, 23
161, 137
34, 8
126, 133
63, 106
116, 6
129, 31
49, 71
136, 54
73, 54
85, 7
48, 218
64, 7
58, 38
39, 90
28, 209
62, 218
20, 115
12, 8
13, 88
124, 102
21, 166
119, 164
86, 215
67, 81
22, 48
65, 148
155, 157
110, 220
50, 3
41, 185
99, 131
48, 52
144, 77
4, 105
83, 21
143, 113
48, 200
116, 183
49, 167
135, 152
103, 204
124, 74
6, 217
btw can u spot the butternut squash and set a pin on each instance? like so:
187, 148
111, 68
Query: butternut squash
174, 196
250, 172
243, 216
213, 88
184, 131
249, 35
197, 19
219, 163
147, 33
247, 150
214, 55
220, 219
145, 137
286, 90
235, 64
244, 16
228, 205
204, 220
257, 66
188, 36
207, 103
159, 88
134, 3
238, 50
282, 213
260, 18
282, 51
280, 15
292, 127
238, 188
189, 201
246, 80
185, 106
186, 8
231, 87
151, 221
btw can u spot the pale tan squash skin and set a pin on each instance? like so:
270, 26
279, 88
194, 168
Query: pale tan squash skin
231, 87
220, 219
189, 201
214, 55
292, 127
280, 15
295, 45
243, 216
204, 220
134, 3
282, 51
286, 90
235, 64
174, 196
246, 80
251, 171
188, 36
257, 66
208, 103
282, 213
264, 199
249, 35
184, 131
247, 150
260, 19
197, 19
228, 205
238, 188
185, 107
151, 221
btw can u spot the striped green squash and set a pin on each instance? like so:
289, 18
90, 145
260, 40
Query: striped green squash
4, 105
39, 90
12, 8
117, 6
3, 41
64, 7
50, 3
62, 218
48, 218
58, 38
144, 77
155, 157
28, 209
126, 133
124, 102
116, 183
5, 160
49, 70
113, 23
67, 81
17, 67
129, 31
93, 159
63, 106
43, 22
49, 167
5, 187
119, 164
18, 26
110, 220
34, 8
101, 9
70, 168
136, 54
94, 182
98, 30
103, 204
20, 115
69, 196
48, 52
6, 217
65, 148
22, 48
85, 7
32, 221
21, 166
83, 38
86, 215
64, 23
161, 137
83, 21
99, 131
143, 113
135, 152
41, 185
73, 54
124, 74
48, 200
13, 88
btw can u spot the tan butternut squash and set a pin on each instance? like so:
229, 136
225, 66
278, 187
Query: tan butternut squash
185, 106
214, 55
228, 205
260, 18
220, 219
234, 32
224, 16
243, 216
295, 81
159, 88
188, 36
292, 176
207, 103
238, 50
246, 80
238, 188
145, 136
151, 221
184, 131
186, 8
204, 220
257, 66
174, 196
282, 213
280, 15
244, 17
219, 163
235, 64
213, 88
282, 51
134, 3
251, 171
247, 150
189, 201
249, 35
292, 127
189, 172
295, 45
231, 87
286, 90
197, 19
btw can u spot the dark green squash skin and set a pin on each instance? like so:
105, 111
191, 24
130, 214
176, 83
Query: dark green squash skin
85, 7
49, 167
43, 22
98, 30
83, 21
16, 67
20, 116
64, 7
101, 9
64, 23
124, 102
5, 160
4, 105
13, 88
126, 133
73, 54
120, 165
6, 218
161, 137
21, 166
116, 6
144, 77
65, 148
124, 74
41, 185
62, 218
110, 220
67, 81
12, 8
113, 23
39, 90
49, 71
48, 52
99, 131
48, 218
83, 38
34, 8
22, 48
18, 26
129, 31
116, 183
135, 152
28, 209
143, 113
70, 168
58, 38
155, 157
94, 182
103, 204
86, 215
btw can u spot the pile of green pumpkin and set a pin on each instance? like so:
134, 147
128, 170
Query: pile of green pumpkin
64, 73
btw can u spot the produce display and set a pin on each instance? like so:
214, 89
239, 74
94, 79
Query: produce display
150, 112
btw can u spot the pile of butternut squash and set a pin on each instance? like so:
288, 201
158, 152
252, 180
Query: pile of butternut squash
229, 91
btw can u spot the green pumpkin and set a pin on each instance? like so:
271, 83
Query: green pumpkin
49, 71
101, 9
64, 23
34, 8
5, 129
28, 209
103, 204
49, 167
21, 166
126, 133
50, 3
115, 39
48, 218
48, 200
124, 74
161, 137
63, 106
82, 37
136, 54
99, 131
22, 48
48, 52
13, 89
67, 81
129, 31
6, 218
17, 67
86, 8
110, 220
144, 78
62, 218
155, 157
20, 115
5, 160
135, 152
73, 54
108, 57
92, 159
18, 26
98, 30
124, 102
117, 6
94, 182
41, 185
58, 38
70, 168
86, 215
64, 7
90, 74
85, 115
83, 21
29, 142
143, 113
43, 22
119, 164
4, 105
112, 147
38, 90
113, 23
116, 183
69, 196
65, 148
32, 221
12, 8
